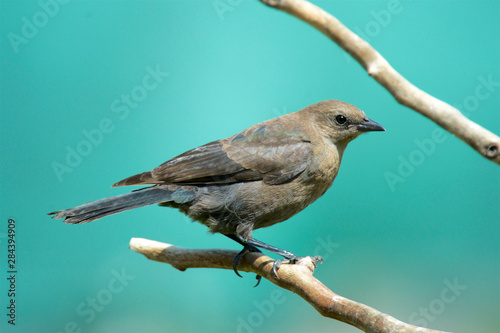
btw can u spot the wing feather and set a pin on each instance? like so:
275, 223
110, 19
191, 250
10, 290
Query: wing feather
265, 152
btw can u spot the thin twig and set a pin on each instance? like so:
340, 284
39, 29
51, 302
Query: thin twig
297, 278
443, 114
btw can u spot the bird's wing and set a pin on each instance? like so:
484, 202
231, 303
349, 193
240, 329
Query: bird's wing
278, 152
263, 152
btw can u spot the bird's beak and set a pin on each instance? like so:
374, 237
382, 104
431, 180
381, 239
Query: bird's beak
369, 125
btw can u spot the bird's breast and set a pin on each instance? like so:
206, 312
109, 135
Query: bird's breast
283, 201
325, 164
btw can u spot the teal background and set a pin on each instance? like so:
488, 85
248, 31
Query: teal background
393, 249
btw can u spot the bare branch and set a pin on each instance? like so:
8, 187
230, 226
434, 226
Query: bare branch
446, 116
297, 278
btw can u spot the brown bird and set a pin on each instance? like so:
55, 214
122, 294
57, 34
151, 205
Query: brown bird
254, 179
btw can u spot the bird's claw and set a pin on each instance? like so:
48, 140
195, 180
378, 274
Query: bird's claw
277, 263
258, 277
237, 259
316, 260
293, 260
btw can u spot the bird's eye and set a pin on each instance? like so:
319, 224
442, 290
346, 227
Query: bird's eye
340, 119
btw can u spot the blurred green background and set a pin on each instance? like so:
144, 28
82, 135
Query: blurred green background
410, 226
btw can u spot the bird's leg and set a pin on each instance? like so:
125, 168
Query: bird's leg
237, 258
246, 248
290, 257
283, 253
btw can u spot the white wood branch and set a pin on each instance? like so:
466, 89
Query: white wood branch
483, 141
297, 278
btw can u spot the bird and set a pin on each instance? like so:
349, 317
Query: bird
254, 179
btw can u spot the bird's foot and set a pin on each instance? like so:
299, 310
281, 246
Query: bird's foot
316, 260
291, 261
253, 245
277, 263
237, 259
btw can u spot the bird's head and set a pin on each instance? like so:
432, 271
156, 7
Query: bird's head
340, 122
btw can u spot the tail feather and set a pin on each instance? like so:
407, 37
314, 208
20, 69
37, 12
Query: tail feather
98, 209
145, 178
